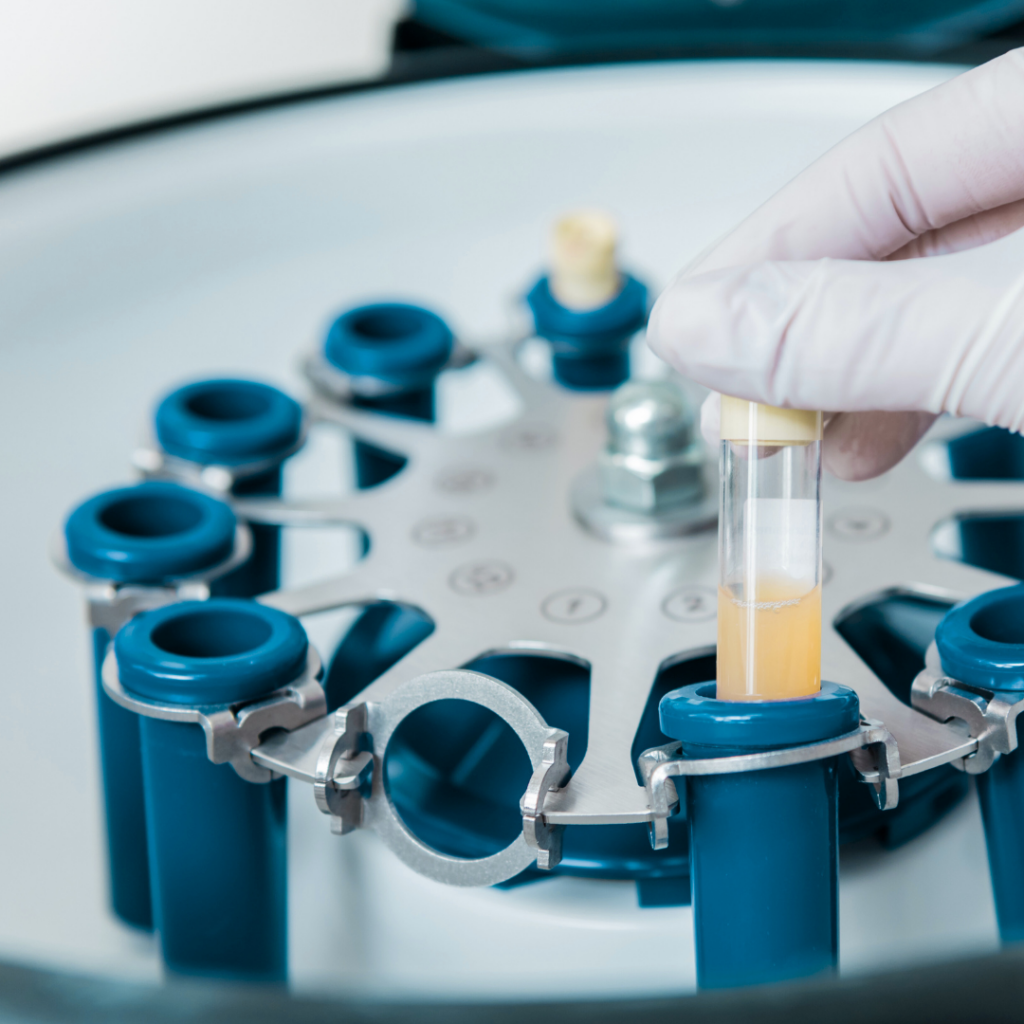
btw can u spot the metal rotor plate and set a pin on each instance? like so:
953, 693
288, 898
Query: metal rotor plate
479, 531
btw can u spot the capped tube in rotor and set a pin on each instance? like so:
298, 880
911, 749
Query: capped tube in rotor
769, 535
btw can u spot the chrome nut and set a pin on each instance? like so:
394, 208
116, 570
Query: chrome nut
652, 460
650, 485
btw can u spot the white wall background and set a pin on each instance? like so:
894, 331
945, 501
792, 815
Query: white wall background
69, 67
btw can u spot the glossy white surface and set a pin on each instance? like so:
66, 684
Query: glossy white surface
227, 247
69, 67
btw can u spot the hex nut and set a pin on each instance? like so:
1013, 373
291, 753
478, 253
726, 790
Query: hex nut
650, 485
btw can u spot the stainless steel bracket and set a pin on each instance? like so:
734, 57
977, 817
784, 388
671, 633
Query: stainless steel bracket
544, 745
551, 774
990, 718
333, 383
660, 764
153, 463
343, 769
233, 730
343, 757
112, 604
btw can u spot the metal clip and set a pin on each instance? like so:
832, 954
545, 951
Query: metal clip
991, 719
156, 464
233, 730
111, 604
343, 768
659, 764
662, 795
552, 773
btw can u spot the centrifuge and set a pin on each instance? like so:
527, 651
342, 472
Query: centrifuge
312, 361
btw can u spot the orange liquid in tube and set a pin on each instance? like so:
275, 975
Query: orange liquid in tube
769, 597
769, 648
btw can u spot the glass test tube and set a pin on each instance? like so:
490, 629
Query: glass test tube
769, 550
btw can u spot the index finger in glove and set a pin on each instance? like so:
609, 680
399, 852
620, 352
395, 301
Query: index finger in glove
852, 336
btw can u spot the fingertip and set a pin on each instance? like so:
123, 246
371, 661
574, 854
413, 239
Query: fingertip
711, 419
724, 328
662, 325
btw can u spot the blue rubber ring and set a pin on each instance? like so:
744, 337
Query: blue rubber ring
392, 341
149, 533
693, 715
981, 642
227, 422
589, 330
210, 652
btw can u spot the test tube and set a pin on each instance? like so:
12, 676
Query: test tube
764, 845
769, 597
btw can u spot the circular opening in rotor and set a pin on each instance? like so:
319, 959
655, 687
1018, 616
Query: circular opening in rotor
455, 772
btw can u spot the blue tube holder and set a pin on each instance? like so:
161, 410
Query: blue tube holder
152, 534
590, 348
217, 842
764, 845
391, 353
390, 342
981, 643
250, 428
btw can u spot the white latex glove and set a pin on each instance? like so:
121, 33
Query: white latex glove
819, 300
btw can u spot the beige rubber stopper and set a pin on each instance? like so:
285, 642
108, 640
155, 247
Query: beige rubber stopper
583, 271
752, 423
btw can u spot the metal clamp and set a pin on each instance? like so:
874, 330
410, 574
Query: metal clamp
343, 768
232, 730
112, 604
551, 774
337, 385
990, 719
216, 479
357, 748
660, 764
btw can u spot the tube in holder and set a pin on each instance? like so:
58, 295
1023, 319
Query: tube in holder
217, 842
981, 643
769, 534
764, 845
250, 428
151, 536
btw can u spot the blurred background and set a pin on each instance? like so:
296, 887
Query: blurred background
70, 68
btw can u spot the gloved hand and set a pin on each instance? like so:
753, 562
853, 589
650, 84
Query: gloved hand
845, 292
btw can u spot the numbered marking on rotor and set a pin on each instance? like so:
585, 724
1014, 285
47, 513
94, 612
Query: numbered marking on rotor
691, 604
438, 531
530, 437
464, 480
575, 605
858, 524
478, 579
